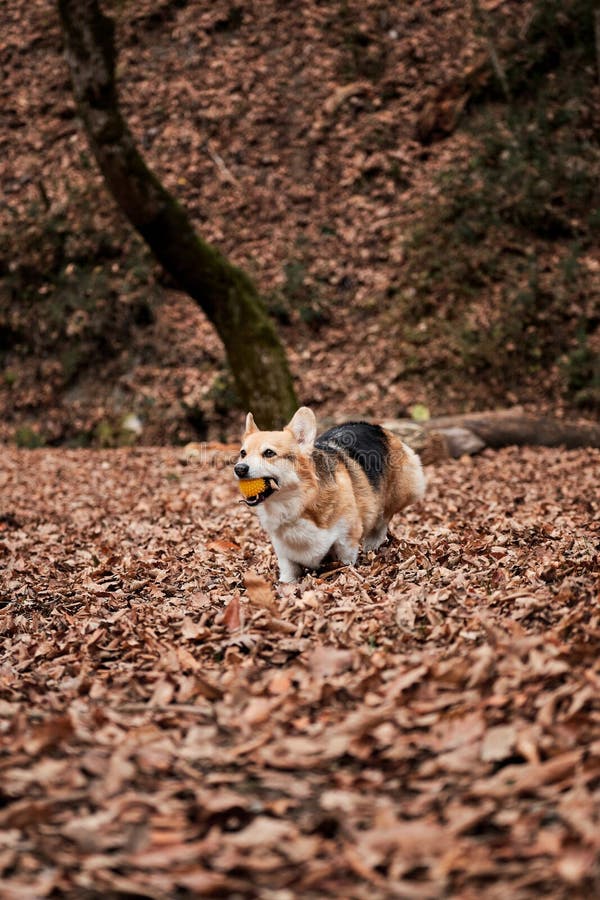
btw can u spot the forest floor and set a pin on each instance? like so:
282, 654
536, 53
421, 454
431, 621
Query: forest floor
174, 723
424, 724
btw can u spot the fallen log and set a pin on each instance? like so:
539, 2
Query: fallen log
454, 436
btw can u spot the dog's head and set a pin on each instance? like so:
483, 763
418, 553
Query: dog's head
270, 461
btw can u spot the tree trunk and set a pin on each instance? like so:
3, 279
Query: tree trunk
225, 293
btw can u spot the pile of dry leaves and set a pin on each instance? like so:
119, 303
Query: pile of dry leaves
173, 724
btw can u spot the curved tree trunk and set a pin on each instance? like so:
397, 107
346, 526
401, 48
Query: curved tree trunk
225, 293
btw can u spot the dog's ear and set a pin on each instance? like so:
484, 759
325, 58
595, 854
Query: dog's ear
304, 428
251, 425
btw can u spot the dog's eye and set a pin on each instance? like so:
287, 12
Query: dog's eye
268, 453
242, 454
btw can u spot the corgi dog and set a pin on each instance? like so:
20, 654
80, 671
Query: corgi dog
332, 493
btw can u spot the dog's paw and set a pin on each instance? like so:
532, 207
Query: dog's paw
288, 571
374, 540
347, 554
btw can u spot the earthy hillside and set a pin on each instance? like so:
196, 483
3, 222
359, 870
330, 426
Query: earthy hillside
422, 221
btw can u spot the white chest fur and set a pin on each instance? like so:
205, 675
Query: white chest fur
305, 543
298, 541
295, 538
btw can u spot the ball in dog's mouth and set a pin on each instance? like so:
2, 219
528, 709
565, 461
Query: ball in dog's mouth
255, 490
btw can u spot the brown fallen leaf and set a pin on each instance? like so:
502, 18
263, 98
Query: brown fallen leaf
232, 614
163, 693
120, 770
26, 812
406, 612
498, 743
258, 710
190, 629
264, 831
187, 662
325, 661
205, 883
223, 546
456, 731
404, 681
462, 818
48, 734
515, 780
27, 888
575, 864
343, 93
280, 683
260, 591
207, 688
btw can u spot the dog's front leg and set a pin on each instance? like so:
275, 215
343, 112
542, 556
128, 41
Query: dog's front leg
346, 552
346, 543
288, 571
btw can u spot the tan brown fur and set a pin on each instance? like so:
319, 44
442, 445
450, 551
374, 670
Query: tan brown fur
325, 498
351, 495
398, 486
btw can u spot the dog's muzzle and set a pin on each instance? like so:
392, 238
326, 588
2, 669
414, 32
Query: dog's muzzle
256, 490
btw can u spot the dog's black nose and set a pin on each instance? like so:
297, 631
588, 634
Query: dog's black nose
241, 470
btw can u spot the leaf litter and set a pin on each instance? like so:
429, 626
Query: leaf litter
175, 723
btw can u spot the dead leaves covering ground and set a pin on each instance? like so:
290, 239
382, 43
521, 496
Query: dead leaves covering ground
173, 725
